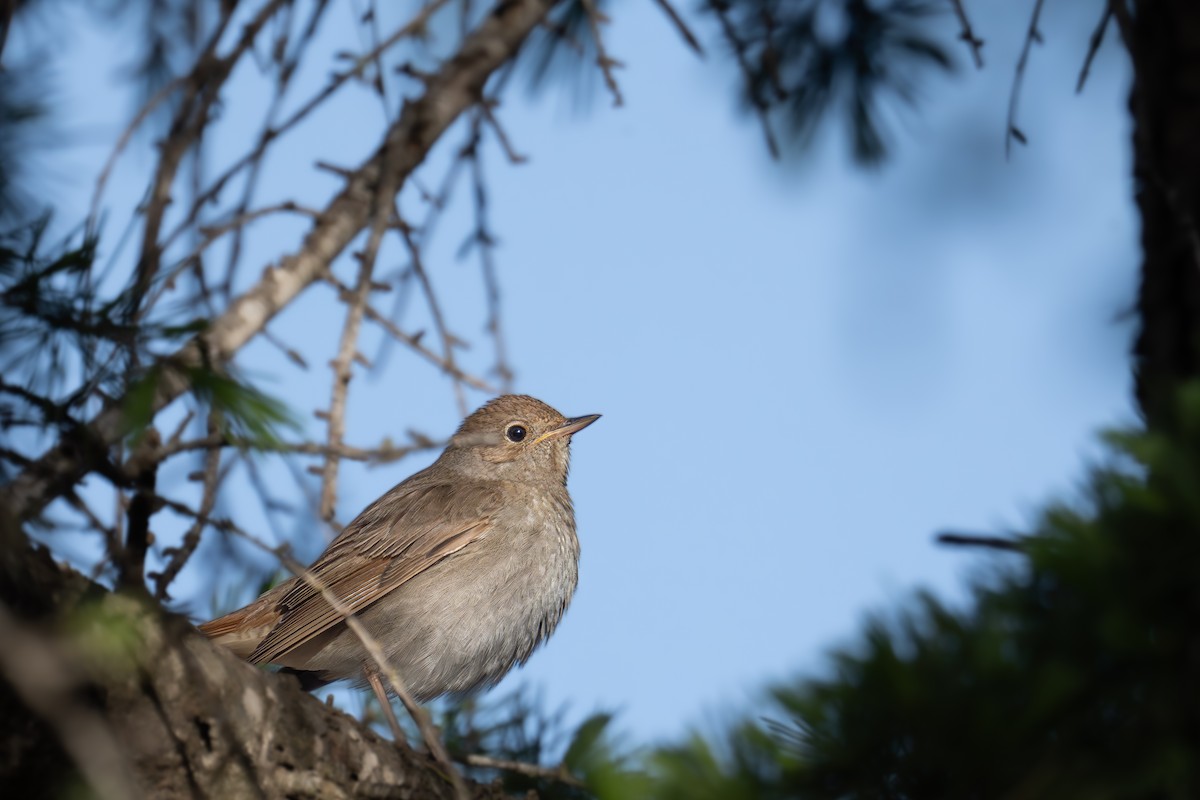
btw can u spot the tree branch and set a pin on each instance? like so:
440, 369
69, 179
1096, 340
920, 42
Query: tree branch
455, 87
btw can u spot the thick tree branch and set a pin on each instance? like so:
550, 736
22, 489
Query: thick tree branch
189, 719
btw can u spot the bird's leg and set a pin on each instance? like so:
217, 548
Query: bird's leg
386, 704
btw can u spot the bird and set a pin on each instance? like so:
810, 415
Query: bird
459, 572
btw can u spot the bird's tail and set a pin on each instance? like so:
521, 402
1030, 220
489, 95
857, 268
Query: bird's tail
240, 631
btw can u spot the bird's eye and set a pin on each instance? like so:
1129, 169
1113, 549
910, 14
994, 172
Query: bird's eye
515, 433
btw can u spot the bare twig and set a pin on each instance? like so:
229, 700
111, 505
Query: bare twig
487, 259
990, 542
1032, 35
191, 538
681, 26
449, 341
559, 773
967, 34
487, 108
288, 64
343, 363
383, 454
138, 119
212, 232
1124, 20
414, 341
761, 107
1094, 47
606, 63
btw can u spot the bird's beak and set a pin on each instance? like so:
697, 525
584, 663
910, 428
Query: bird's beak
572, 425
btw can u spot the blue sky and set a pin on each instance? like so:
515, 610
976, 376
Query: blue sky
805, 370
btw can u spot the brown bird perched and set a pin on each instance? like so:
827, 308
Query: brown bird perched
459, 572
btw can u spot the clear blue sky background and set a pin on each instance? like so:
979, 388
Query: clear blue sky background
805, 370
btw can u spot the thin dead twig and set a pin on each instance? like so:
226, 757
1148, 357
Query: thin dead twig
762, 108
191, 538
449, 341
383, 454
414, 341
343, 363
1032, 35
487, 108
681, 26
967, 34
559, 773
212, 232
288, 66
1094, 43
973, 540
487, 259
605, 62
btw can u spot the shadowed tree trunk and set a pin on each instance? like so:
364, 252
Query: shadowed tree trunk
1164, 44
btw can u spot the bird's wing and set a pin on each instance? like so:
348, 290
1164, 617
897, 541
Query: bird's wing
404, 533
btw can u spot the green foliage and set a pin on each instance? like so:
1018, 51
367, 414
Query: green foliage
244, 414
1072, 674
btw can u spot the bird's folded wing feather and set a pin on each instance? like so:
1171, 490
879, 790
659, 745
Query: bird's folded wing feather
400, 535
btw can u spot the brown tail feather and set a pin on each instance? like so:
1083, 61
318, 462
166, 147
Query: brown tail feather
240, 631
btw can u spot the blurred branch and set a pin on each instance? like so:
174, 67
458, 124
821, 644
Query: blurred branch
968, 34
1032, 35
989, 542
143, 472
605, 62
740, 51
681, 26
178, 556
1094, 43
558, 773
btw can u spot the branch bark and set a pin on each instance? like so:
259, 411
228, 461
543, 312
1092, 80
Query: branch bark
188, 719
